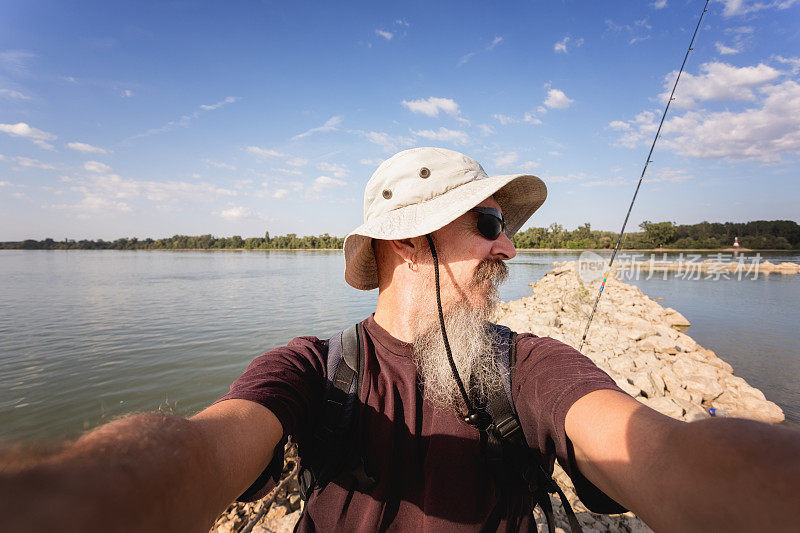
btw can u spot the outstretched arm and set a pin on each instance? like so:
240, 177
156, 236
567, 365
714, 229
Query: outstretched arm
715, 474
148, 472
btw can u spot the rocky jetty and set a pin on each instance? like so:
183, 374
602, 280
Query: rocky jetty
639, 343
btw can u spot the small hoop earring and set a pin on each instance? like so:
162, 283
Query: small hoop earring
412, 266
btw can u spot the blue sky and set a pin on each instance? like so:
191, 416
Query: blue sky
157, 118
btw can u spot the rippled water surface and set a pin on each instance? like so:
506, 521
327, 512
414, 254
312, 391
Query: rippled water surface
88, 335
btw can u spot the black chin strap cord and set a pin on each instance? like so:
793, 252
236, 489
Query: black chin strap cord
471, 411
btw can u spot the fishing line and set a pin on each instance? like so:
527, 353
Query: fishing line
644, 171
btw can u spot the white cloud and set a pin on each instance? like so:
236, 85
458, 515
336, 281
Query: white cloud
224, 101
491, 46
93, 205
793, 62
325, 182
330, 125
38, 137
219, 164
764, 132
443, 134
465, 58
659, 4
743, 7
637, 31
725, 49
530, 118
372, 162
127, 93
497, 40
505, 120
6, 184
401, 22
339, 171
85, 148
760, 133
563, 44
186, 120
33, 163
292, 171
642, 127
388, 142
236, 213
108, 192
280, 193
668, 175
12, 94
431, 106
264, 152
527, 118
610, 182
16, 61
297, 162
718, 81
385, 34
506, 159
556, 99
486, 129
96, 166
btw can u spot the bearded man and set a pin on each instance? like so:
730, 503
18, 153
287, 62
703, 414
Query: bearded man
435, 237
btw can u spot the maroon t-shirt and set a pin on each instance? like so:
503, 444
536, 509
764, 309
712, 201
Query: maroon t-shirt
430, 470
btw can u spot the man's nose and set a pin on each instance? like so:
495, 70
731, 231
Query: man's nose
503, 247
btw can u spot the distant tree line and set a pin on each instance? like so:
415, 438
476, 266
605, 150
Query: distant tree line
757, 235
186, 242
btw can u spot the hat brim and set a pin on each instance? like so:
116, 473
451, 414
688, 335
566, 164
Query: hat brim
519, 196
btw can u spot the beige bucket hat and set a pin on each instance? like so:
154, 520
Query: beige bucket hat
418, 191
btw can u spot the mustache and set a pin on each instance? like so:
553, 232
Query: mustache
490, 269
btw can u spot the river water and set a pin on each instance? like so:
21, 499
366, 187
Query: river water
89, 335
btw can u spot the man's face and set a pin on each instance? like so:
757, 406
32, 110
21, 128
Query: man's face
471, 266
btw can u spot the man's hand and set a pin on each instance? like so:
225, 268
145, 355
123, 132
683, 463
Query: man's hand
148, 472
709, 475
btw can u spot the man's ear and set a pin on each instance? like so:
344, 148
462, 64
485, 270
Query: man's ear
407, 249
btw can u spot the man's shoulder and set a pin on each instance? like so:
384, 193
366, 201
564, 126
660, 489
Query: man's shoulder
302, 351
532, 349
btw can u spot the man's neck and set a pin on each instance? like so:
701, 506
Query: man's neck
398, 324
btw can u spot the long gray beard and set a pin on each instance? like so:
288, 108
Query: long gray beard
473, 343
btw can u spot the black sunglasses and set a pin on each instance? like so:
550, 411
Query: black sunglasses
490, 222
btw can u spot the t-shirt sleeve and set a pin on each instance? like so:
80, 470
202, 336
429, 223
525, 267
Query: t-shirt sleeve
289, 381
549, 377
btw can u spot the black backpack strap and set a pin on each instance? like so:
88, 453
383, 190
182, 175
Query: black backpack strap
332, 449
506, 448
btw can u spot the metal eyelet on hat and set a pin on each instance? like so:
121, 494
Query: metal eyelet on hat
424, 172
387, 194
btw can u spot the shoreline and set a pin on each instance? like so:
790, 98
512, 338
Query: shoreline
578, 250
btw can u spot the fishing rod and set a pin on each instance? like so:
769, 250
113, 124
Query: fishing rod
644, 171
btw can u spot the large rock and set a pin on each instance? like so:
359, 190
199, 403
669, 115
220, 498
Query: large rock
659, 343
